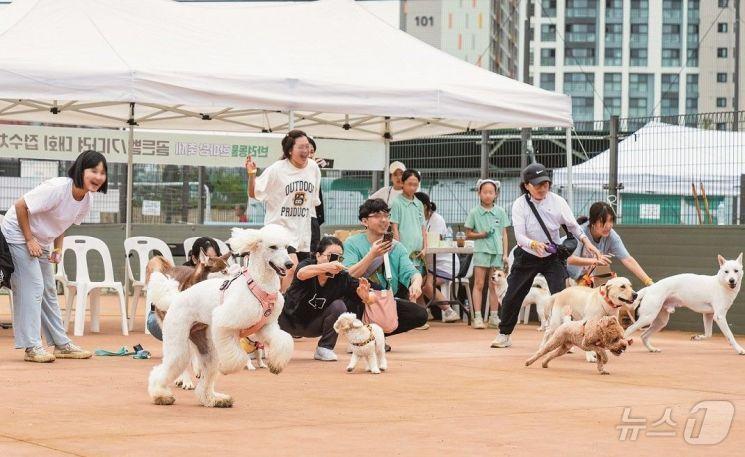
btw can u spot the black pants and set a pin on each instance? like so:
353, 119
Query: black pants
315, 233
410, 315
524, 269
322, 324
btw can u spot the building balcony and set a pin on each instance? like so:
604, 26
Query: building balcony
671, 41
581, 12
639, 16
672, 16
581, 37
614, 16
639, 40
578, 89
613, 38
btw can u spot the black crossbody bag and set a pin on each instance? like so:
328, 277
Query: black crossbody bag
563, 250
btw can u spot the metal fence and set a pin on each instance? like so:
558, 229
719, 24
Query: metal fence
663, 170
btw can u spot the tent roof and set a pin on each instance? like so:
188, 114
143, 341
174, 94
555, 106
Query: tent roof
665, 159
244, 68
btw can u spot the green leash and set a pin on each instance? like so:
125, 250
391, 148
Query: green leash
138, 353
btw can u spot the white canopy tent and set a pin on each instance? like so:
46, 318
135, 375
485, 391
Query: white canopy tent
328, 67
665, 159
344, 72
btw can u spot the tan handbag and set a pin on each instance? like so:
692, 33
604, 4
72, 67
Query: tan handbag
381, 309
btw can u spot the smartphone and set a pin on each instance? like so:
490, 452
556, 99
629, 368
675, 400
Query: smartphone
388, 236
327, 163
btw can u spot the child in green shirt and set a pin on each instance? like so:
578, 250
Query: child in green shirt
407, 219
486, 224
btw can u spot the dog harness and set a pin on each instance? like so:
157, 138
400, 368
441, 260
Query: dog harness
266, 299
607, 298
368, 340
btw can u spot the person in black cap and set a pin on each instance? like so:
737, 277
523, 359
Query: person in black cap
535, 252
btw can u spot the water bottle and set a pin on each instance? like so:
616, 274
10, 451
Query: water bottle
448, 237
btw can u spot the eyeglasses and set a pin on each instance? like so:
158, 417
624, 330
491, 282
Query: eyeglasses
380, 215
334, 257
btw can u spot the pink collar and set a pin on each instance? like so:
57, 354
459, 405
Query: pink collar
266, 299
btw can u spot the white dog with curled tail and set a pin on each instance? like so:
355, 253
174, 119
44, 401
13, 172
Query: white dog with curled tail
215, 313
367, 341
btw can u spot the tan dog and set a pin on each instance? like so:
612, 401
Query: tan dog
596, 335
579, 303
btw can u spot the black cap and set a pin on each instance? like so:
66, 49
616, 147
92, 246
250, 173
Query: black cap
535, 174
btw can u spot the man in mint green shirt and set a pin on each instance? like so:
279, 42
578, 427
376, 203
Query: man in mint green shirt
407, 218
363, 255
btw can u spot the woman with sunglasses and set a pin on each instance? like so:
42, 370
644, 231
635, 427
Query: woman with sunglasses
318, 296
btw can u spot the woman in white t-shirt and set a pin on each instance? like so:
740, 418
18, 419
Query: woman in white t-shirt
289, 190
34, 228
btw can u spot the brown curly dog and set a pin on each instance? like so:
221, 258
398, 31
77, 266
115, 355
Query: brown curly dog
594, 335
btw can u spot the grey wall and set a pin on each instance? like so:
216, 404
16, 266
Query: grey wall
661, 250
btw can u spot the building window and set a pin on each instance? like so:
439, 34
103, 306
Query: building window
638, 57
612, 84
723, 3
721, 126
613, 56
671, 57
692, 59
721, 77
722, 27
579, 84
548, 8
548, 57
721, 102
548, 32
722, 52
548, 81
579, 56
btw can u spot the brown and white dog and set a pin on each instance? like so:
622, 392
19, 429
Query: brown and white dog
595, 335
186, 276
580, 303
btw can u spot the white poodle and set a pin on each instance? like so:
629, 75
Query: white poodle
366, 340
213, 314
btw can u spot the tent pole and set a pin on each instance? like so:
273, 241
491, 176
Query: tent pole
387, 141
128, 222
570, 187
291, 120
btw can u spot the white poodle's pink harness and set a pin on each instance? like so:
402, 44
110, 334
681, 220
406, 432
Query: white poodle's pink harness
266, 299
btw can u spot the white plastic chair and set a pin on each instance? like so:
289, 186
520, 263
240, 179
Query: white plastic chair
61, 277
465, 281
189, 243
10, 301
143, 246
83, 286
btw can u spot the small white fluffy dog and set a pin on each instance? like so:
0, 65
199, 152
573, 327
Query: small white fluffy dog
580, 302
366, 340
212, 313
539, 295
711, 296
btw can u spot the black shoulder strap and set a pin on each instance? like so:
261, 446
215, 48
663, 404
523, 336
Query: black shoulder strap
540, 221
538, 216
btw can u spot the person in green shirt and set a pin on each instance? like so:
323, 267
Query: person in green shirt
364, 253
486, 224
407, 219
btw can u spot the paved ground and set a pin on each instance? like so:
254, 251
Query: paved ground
446, 391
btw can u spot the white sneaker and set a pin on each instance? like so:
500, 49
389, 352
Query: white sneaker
423, 327
501, 341
478, 322
493, 320
325, 355
38, 354
449, 315
430, 317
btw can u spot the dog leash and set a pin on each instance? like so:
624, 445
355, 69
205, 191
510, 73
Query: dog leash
138, 353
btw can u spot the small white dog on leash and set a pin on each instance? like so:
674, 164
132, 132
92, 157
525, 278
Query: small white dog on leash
711, 296
539, 295
366, 340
